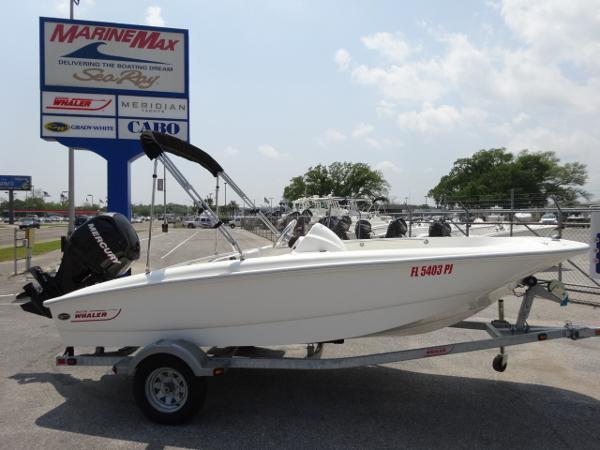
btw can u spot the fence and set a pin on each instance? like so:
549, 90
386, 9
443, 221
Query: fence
566, 223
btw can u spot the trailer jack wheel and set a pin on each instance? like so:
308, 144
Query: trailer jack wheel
167, 391
500, 362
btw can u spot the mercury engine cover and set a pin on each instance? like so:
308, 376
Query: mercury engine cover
362, 230
101, 249
397, 228
439, 228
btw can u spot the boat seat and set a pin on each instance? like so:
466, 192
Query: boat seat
319, 239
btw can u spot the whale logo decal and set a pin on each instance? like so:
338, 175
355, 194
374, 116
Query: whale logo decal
92, 51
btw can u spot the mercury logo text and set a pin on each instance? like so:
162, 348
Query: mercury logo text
103, 245
135, 38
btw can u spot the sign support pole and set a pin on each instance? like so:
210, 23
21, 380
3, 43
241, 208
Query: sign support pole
71, 225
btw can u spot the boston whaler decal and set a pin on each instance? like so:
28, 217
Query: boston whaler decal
96, 315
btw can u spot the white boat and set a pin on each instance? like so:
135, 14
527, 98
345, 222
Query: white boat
321, 289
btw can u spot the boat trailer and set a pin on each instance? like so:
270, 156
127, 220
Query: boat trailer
169, 375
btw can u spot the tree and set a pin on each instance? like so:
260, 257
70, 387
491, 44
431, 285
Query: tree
487, 178
341, 179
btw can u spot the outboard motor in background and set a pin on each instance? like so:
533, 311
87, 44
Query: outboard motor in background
439, 228
101, 249
363, 229
339, 225
396, 228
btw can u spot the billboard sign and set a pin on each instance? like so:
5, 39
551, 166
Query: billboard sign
15, 183
112, 57
103, 84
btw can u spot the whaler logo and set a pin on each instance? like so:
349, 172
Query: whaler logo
79, 104
57, 127
96, 315
103, 245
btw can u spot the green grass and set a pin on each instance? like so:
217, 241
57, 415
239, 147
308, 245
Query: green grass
39, 248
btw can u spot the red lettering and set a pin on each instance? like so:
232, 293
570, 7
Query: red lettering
414, 271
60, 35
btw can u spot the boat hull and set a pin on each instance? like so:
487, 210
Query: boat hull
291, 299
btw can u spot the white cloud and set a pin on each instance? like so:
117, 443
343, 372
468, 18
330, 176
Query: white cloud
362, 130
269, 151
342, 59
521, 118
333, 135
442, 118
231, 151
571, 145
154, 17
387, 166
373, 143
386, 109
393, 47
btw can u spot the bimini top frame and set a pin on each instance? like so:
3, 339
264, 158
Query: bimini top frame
155, 146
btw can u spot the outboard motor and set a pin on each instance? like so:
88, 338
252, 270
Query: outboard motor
397, 228
100, 249
339, 225
439, 228
363, 229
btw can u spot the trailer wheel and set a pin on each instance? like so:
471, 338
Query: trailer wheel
191, 225
499, 364
167, 391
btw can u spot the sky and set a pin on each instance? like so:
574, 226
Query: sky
279, 86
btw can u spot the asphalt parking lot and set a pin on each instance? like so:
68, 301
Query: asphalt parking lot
549, 397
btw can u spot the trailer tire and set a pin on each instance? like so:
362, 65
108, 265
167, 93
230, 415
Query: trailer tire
499, 363
167, 391
191, 225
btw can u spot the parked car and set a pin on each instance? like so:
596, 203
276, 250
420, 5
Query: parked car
29, 222
549, 219
199, 222
235, 222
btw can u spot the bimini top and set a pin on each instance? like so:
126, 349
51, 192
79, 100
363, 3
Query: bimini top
154, 144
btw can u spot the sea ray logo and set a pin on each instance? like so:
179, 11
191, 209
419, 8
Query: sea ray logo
57, 127
91, 51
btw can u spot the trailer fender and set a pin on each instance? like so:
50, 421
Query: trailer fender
189, 353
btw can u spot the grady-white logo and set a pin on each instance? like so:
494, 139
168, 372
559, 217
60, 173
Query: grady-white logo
79, 103
96, 315
103, 245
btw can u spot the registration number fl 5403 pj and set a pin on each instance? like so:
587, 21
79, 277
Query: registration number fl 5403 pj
431, 270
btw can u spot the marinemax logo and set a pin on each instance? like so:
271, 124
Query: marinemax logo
92, 51
78, 103
57, 127
151, 40
139, 126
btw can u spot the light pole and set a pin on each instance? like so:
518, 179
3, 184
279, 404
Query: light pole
71, 226
225, 201
90, 195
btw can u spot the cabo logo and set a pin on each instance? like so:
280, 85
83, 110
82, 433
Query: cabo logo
139, 126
